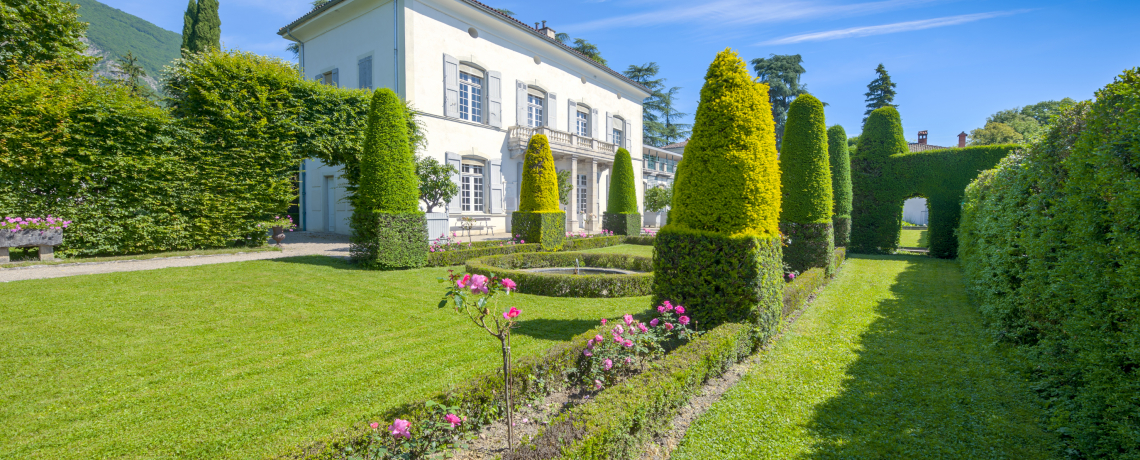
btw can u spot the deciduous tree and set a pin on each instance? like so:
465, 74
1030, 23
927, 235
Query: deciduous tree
34, 31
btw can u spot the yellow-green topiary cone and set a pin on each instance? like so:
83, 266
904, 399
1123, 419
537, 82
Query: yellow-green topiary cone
729, 181
540, 180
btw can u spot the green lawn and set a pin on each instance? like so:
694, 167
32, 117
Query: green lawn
913, 239
632, 249
241, 360
889, 362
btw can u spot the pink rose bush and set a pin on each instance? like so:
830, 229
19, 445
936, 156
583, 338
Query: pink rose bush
440, 431
632, 344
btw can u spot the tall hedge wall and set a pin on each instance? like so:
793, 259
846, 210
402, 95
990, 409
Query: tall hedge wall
720, 253
137, 178
539, 220
621, 216
1051, 250
840, 183
805, 175
885, 173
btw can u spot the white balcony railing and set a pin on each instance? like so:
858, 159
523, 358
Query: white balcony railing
560, 142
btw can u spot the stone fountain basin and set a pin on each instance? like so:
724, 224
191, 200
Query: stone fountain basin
582, 271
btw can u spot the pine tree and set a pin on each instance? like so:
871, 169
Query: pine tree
880, 92
188, 20
132, 74
206, 32
781, 72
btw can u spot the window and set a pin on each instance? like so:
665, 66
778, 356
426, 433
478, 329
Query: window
331, 78
651, 162
582, 128
472, 188
470, 97
617, 136
533, 110
364, 68
582, 183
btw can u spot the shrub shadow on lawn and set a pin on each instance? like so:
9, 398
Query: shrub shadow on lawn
554, 329
928, 383
324, 261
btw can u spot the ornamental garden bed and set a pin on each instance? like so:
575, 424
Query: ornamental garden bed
629, 276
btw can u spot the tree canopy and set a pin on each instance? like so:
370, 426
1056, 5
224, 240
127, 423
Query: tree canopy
880, 92
34, 31
202, 27
659, 116
781, 72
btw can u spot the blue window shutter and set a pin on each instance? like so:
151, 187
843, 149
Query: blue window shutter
336, 77
364, 71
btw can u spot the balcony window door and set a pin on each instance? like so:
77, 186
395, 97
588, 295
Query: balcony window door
534, 106
582, 184
470, 97
472, 188
617, 137
582, 126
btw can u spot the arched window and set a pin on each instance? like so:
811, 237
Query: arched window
535, 103
471, 92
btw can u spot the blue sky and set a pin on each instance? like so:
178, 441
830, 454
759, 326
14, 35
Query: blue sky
955, 62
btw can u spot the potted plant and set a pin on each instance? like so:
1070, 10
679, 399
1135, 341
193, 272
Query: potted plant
19, 232
279, 225
436, 190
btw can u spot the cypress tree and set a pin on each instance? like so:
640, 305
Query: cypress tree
207, 33
840, 183
539, 220
805, 175
720, 253
621, 216
188, 20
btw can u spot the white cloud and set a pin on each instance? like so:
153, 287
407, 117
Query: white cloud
888, 28
738, 12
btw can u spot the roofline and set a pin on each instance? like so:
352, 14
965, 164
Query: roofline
659, 149
487, 9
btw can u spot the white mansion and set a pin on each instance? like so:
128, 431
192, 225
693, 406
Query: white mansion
464, 66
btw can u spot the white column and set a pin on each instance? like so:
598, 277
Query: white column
593, 204
572, 208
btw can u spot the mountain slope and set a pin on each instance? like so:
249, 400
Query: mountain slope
113, 32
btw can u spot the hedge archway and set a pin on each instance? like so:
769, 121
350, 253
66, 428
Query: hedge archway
885, 173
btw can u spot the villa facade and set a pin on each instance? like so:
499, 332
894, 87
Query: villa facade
483, 83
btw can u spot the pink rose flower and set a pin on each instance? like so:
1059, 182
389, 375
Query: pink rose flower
587, 353
511, 314
603, 321
463, 282
684, 320
598, 338
660, 308
399, 429
453, 420
508, 284
374, 425
598, 384
668, 306
668, 326
680, 310
628, 360
642, 327
609, 364
654, 322
628, 319
620, 330
479, 284
628, 343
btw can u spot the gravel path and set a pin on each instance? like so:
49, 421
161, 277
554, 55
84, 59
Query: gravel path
295, 244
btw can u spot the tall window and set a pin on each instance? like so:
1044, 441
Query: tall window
470, 97
364, 72
582, 126
617, 137
533, 110
472, 188
582, 193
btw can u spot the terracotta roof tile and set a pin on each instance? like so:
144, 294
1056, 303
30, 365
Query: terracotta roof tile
924, 147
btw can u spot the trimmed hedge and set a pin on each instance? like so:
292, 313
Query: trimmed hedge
389, 240
840, 161
641, 240
720, 278
461, 256
1051, 251
805, 175
591, 286
622, 224
884, 174
797, 292
621, 420
581, 244
720, 253
546, 228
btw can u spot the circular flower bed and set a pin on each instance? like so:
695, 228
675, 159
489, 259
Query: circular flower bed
517, 267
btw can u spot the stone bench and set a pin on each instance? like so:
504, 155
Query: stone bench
45, 240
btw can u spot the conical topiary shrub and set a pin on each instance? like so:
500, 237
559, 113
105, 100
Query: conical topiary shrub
621, 216
805, 175
720, 253
840, 184
388, 229
539, 220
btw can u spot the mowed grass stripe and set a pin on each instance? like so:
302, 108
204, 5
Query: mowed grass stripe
889, 362
241, 360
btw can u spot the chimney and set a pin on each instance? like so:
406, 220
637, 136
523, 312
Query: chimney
922, 138
546, 30
961, 139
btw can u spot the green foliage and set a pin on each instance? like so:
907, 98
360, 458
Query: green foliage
389, 240
659, 116
461, 256
884, 174
840, 162
623, 191
729, 181
436, 186
800, 290
539, 191
546, 228
514, 266
658, 198
621, 420
132, 74
781, 72
805, 174
1050, 249
880, 92
206, 31
622, 224
996, 133
720, 278
118, 33
1019, 124
582, 244
641, 240
388, 180
589, 50
565, 186
1045, 111
188, 23
39, 31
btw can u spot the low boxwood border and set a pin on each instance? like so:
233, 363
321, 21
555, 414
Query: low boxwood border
641, 240
797, 292
592, 286
461, 256
594, 242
